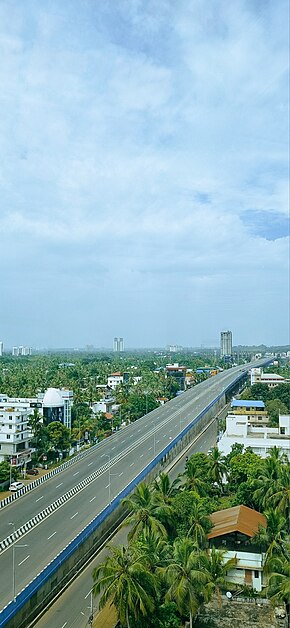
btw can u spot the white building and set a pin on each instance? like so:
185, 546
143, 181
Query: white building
118, 345
14, 433
21, 350
226, 343
54, 405
260, 439
114, 380
1, 348
271, 379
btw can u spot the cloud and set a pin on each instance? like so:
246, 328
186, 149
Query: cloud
134, 141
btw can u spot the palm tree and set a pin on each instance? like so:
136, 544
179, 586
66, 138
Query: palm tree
194, 479
155, 551
184, 579
267, 481
147, 512
164, 489
126, 583
280, 496
213, 563
217, 466
272, 536
200, 524
278, 589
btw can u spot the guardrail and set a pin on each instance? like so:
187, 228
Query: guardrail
29, 487
12, 608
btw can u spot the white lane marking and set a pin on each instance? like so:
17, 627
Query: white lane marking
63, 625
38, 500
158, 441
91, 500
141, 455
121, 473
59, 485
76, 473
50, 537
131, 435
103, 455
89, 466
107, 486
76, 513
23, 561
139, 430
113, 448
150, 448
131, 465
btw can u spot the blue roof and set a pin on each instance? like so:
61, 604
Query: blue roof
248, 403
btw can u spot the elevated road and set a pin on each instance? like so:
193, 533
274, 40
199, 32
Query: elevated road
116, 461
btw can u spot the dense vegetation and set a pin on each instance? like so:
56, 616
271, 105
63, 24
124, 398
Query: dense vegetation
84, 373
166, 573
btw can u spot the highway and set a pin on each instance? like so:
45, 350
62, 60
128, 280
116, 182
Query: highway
128, 451
72, 609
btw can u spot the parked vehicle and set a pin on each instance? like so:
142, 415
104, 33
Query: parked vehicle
16, 486
32, 471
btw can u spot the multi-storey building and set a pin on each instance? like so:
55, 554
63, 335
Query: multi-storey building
54, 405
226, 344
14, 433
271, 379
260, 439
118, 345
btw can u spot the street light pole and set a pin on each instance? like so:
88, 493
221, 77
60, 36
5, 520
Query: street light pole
13, 564
109, 486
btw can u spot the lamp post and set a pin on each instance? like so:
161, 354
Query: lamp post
109, 486
91, 616
14, 546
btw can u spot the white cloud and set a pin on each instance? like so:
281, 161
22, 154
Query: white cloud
135, 144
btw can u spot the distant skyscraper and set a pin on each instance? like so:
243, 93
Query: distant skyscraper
1, 348
226, 343
118, 345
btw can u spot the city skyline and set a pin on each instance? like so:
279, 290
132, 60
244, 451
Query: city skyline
144, 177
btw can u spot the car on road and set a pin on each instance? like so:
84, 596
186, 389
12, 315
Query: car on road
16, 486
32, 471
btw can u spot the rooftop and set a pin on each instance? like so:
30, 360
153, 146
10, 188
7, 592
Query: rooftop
238, 519
247, 403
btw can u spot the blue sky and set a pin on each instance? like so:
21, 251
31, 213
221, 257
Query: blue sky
144, 172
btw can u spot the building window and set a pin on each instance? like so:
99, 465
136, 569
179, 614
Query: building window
282, 430
10, 427
8, 436
256, 574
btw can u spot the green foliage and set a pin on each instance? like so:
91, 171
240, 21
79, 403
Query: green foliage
275, 407
244, 467
148, 514
183, 506
165, 616
59, 436
124, 581
4, 471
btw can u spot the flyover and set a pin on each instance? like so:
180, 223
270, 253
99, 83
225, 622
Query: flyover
116, 462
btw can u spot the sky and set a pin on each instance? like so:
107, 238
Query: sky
144, 172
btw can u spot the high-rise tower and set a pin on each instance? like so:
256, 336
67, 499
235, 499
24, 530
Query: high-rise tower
226, 343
